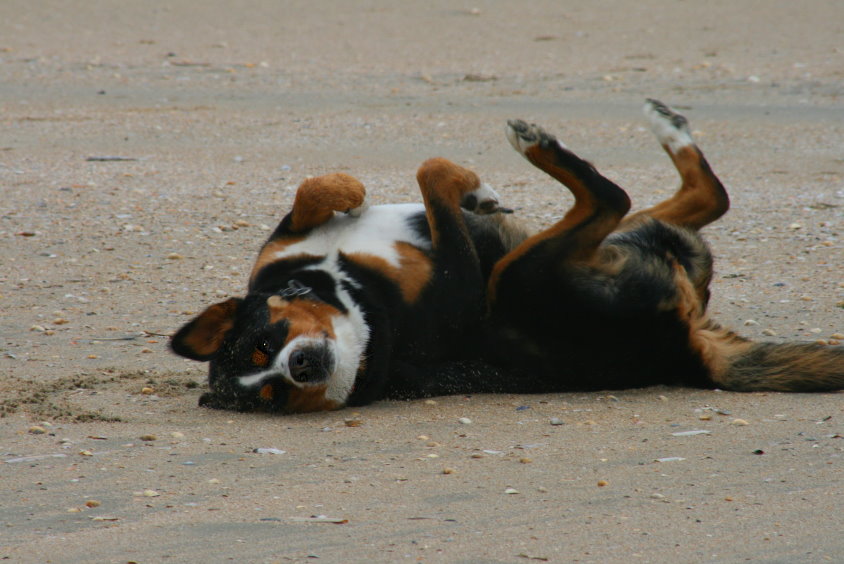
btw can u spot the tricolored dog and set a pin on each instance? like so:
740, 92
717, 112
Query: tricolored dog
348, 304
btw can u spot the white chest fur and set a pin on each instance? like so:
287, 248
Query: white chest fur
374, 232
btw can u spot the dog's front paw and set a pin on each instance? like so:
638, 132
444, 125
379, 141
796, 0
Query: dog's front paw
483, 201
356, 212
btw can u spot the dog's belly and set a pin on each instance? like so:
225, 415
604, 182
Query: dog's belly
375, 232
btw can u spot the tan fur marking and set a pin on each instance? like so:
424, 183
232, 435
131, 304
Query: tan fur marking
686, 301
715, 345
318, 198
270, 251
416, 268
266, 392
511, 231
276, 302
700, 200
609, 260
304, 317
260, 358
310, 398
442, 180
412, 275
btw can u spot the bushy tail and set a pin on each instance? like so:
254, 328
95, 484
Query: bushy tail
787, 367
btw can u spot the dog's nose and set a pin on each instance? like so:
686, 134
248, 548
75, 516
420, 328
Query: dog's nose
310, 364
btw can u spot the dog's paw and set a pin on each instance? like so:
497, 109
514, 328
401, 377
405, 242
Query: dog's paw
523, 136
358, 211
483, 201
671, 129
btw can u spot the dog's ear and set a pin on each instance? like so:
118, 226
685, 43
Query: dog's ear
201, 338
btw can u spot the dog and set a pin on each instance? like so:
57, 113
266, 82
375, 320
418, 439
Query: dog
348, 304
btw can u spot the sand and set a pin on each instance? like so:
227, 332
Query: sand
202, 118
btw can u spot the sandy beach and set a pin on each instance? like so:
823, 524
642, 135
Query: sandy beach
146, 151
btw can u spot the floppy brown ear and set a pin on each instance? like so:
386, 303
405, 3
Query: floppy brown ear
201, 338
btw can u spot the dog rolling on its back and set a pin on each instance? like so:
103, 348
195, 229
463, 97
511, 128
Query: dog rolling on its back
348, 304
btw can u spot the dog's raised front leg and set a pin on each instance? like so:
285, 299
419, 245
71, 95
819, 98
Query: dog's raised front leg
316, 201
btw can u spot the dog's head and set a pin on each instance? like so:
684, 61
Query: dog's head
288, 351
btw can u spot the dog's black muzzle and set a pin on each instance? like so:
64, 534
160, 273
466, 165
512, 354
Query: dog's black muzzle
311, 364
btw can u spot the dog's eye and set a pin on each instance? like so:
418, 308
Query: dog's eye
265, 346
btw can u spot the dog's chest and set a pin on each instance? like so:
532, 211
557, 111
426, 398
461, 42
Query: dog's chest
376, 232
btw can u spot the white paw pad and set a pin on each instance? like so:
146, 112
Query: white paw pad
670, 128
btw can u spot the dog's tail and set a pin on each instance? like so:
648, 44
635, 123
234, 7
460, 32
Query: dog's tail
745, 366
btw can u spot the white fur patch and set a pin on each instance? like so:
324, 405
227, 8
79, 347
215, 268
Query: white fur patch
487, 197
375, 232
352, 337
485, 192
667, 133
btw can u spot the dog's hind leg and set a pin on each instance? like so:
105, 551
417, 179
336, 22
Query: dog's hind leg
701, 198
599, 204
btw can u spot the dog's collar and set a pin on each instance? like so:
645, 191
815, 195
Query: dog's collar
296, 289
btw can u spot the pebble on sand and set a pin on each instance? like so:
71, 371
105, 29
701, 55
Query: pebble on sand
268, 450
